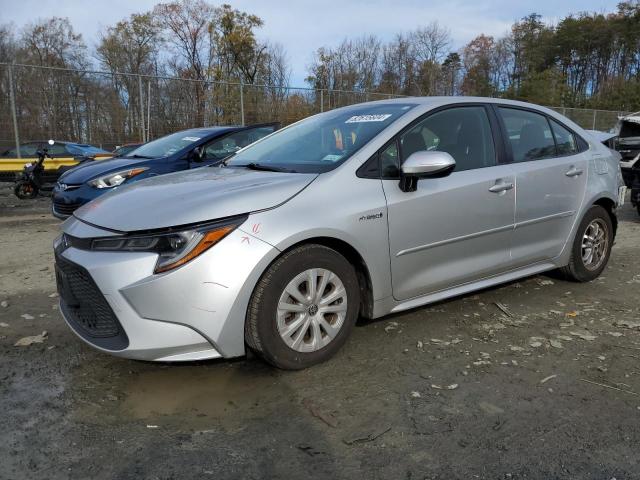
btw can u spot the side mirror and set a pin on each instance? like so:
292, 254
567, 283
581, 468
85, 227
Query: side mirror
424, 164
197, 155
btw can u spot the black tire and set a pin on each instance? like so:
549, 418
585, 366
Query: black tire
261, 327
25, 190
576, 269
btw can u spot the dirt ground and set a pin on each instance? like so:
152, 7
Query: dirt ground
457, 390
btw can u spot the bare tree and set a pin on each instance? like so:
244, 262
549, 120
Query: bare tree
58, 96
129, 47
188, 31
431, 42
8, 43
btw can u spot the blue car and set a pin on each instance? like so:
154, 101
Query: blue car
183, 150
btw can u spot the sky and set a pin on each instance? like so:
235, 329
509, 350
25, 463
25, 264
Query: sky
302, 26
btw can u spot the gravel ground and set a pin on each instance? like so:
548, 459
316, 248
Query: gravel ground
459, 389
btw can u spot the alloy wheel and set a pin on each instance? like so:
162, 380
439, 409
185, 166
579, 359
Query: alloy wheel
595, 243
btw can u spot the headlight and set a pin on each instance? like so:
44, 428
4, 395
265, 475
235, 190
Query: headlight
174, 249
114, 179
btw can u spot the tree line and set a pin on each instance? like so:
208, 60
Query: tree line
587, 60
192, 40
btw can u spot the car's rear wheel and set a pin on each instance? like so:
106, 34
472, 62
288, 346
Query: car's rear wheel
591, 247
303, 308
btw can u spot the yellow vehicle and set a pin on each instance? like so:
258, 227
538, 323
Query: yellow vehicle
64, 156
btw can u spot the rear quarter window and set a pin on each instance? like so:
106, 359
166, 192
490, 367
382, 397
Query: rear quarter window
565, 140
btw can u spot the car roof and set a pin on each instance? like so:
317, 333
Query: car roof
633, 118
427, 103
437, 101
226, 128
443, 100
213, 130
45, 141
62, 142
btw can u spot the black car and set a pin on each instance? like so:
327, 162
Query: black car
62, 156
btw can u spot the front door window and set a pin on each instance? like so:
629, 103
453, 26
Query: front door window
463, 132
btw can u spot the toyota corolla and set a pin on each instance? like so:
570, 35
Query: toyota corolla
357, 212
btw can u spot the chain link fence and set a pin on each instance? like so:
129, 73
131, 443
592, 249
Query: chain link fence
109, 109
590, 119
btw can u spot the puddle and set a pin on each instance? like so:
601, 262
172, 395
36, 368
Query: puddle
201, 390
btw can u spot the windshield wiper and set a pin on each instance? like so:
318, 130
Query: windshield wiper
265, 168
226, 159
138, 156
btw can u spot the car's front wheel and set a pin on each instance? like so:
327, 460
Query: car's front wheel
303, 308
591, 247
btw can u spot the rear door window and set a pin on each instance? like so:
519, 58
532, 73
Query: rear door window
529, 134
463, 132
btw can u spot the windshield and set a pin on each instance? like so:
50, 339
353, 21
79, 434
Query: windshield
165, 146
124, 150
83, 149
322, 142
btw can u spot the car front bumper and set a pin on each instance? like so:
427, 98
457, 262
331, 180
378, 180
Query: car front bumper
65, 201
114, 302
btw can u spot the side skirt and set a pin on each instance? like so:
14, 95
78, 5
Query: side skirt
390, 305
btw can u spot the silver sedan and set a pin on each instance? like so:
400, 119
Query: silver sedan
357, 212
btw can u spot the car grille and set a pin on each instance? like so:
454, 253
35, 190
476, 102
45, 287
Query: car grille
66, 209
86, 307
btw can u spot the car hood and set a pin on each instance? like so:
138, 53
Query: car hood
189, 197
94, 168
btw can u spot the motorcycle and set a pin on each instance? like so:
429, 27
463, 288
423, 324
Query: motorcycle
30, 183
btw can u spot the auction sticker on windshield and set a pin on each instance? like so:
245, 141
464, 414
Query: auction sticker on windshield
368, 118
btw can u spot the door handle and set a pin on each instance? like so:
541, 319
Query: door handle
501, 186
574, 172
